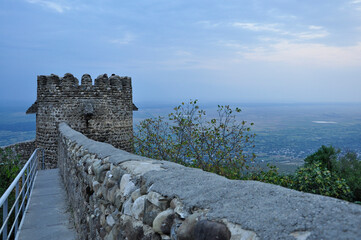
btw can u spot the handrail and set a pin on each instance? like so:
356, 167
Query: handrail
29, 171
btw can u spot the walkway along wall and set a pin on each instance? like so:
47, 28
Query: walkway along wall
118, 195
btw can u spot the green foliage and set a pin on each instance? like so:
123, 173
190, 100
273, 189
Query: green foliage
323, 173
270, 176
349, 168
315, 178
9, 167
221, 145
325, 156
312, 178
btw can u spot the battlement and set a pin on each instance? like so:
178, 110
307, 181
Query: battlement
70, 83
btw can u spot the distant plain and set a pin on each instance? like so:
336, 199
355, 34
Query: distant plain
286, 133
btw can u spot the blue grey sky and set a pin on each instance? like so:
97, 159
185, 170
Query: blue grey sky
214, 50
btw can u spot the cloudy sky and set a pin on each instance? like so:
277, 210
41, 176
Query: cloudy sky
213, 50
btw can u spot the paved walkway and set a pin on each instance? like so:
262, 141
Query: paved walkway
47, 216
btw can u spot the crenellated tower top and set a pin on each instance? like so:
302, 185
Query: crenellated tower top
71, 83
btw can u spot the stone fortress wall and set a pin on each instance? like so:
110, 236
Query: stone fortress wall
118, 195
102, 111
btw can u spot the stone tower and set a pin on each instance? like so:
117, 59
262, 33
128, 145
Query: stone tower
102, 112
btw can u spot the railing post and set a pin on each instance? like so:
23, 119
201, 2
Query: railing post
23, 187
16, 207
28, 181
5, 215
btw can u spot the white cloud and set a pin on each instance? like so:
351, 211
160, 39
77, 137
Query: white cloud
257, 27
306, 54
126, 39
311, 31
310, 35
59, 7
357, 4
313, 27
314, 31
269, 39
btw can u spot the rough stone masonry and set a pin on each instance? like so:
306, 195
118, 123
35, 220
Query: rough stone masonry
118, 195
102, 111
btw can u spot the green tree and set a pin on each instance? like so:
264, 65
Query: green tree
222, 145
326, 156
349, 167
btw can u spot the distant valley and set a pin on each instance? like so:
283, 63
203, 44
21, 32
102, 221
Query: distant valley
286, 133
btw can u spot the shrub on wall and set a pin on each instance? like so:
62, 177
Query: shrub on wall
221, 145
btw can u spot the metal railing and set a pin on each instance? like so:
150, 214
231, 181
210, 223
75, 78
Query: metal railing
23, 184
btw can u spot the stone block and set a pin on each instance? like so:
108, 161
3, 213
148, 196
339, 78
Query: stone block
209, 230
163, 222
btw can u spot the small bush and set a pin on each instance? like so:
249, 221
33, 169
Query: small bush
314, 178
222, 145
270, 176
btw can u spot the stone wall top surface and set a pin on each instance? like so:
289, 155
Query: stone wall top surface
103, 150
271, 211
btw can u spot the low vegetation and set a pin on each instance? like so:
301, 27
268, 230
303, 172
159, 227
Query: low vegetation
325, 172
10, 166
223, 145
